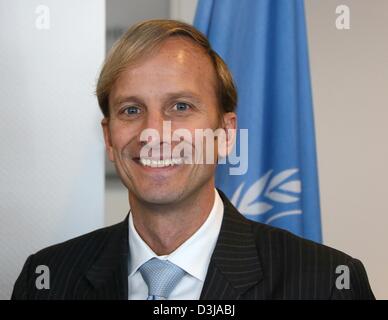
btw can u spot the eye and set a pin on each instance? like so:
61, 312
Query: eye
181, 106
131, 110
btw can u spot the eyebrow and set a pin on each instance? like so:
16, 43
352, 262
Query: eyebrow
167, 97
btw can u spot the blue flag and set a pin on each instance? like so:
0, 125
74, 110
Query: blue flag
265, 46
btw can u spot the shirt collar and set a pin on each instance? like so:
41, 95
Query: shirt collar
193, 255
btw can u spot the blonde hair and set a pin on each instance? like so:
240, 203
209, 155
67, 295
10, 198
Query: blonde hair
142, 39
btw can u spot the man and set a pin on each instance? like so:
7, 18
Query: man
182, 239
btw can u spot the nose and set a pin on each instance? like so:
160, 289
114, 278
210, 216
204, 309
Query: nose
155, 131
154, 120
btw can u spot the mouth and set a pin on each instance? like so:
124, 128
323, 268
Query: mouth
158, 163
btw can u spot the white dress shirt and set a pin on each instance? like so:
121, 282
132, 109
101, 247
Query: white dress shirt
193, 256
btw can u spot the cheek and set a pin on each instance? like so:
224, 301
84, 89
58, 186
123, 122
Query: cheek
121, 136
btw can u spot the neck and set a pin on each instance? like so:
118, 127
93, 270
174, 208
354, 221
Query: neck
165, 227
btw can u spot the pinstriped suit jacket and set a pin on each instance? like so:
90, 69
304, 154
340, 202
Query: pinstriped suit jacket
250, 261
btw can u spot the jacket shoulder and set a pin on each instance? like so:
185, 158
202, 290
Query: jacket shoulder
87, 243
66, 264
317, 269
284, 240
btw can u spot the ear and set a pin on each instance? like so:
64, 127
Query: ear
229, 125
107, 138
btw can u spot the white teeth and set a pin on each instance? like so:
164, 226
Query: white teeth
145, 162
160, 163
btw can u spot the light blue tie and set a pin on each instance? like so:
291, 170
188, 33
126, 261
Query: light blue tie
161, 277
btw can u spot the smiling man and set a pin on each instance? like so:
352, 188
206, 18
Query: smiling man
182, 238
175, 83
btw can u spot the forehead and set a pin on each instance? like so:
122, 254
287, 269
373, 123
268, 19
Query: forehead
177, 64
181, 51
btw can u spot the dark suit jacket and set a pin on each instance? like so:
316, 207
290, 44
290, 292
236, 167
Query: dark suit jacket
250, 261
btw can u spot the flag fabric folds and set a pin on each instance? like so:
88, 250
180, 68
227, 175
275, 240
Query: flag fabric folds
264, 43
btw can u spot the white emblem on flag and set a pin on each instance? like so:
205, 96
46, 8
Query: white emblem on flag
277, 188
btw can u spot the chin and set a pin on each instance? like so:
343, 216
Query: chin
158, 195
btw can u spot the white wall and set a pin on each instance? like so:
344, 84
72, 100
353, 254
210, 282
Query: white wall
51, 150
183, 10
121, 14
350, 80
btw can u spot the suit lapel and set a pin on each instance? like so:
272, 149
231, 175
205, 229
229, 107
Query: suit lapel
235, 265
109, 274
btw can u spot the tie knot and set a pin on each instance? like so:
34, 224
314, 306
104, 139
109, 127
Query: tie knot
161, 277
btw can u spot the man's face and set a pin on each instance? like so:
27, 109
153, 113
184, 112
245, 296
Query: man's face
178, 85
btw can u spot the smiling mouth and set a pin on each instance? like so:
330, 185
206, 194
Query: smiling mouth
152, 163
